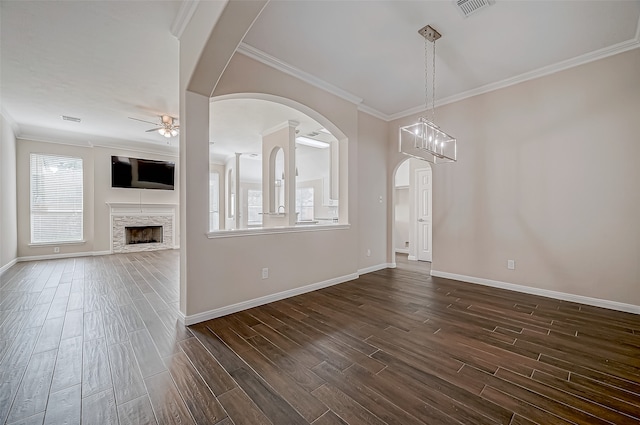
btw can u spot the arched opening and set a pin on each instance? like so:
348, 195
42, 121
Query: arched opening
303, 155
412, 214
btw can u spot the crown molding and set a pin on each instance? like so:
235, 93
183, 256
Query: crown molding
182, 18
12, 123
527, 76
132, 147
276, 63
280, 65
374, 112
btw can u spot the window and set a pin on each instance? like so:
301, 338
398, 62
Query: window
214, 201
254, 207
56, 199
304, 203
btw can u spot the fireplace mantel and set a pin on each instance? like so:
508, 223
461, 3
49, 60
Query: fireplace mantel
138, 214
123, 208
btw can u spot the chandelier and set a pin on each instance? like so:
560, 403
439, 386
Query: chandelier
424, 139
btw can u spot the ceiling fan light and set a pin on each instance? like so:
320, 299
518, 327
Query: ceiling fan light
174, 132
162, 131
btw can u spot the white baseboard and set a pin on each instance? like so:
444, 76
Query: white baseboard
401, 250
412, 258
375, 268
65, 255
597, 302
8, 265
234, 308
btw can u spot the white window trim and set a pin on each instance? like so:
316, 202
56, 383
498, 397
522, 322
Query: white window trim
276, 230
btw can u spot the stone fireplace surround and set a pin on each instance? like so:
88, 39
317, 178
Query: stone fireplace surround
136, 214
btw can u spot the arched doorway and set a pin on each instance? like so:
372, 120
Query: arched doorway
412, 213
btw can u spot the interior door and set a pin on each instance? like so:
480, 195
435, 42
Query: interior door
423, 213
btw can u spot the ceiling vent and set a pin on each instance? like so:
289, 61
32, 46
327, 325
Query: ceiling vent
73, 119
469, 7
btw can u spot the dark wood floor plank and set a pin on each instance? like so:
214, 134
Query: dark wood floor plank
33, 393
286, 385
100, 409
277, 409
376, 403
137, 411
345, 407
165, 399
396, 346
200, 401
64, 407
242, 410
216, 377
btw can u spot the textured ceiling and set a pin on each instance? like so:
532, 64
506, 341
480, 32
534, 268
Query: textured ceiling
104, 61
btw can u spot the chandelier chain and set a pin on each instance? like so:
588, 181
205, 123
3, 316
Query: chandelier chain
426, 77
433, 90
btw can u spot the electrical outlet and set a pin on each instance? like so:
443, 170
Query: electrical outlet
265, 273
511, 264
56, 249
368, 253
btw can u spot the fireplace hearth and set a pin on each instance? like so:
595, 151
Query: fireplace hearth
143, 234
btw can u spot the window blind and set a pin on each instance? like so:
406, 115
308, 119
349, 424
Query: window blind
56, 198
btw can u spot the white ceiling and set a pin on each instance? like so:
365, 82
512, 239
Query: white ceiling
104, 61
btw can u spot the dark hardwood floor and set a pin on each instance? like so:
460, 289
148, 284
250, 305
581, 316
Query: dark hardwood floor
96, 341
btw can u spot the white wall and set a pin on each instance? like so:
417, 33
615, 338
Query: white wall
8, 196
372, 194
97, 192
226, 271
547, 175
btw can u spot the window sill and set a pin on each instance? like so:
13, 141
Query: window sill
276, 230
37, 244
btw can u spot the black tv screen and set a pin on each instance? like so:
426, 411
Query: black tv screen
140, 173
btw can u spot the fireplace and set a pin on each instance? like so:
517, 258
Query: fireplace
142, 234
142, 227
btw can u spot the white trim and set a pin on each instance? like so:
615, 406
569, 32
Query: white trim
171, 152
47, 244
373, 112
375, 268
392, 265
244, 305
401, 250
12, 123
282, 66
281, 126
182, 18
275, 230
597, 302
527, 76
412, 258
8, 266
65, 255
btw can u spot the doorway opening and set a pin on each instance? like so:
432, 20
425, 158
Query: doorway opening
412, 212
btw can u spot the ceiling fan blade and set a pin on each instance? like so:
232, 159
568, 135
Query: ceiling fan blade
148, 122
154, 129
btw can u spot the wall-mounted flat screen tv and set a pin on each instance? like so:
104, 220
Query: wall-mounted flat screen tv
140, 173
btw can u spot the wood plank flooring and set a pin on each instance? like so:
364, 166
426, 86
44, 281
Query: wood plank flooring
96, 340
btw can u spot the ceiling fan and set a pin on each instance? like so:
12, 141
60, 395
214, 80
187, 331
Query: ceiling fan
168, 126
